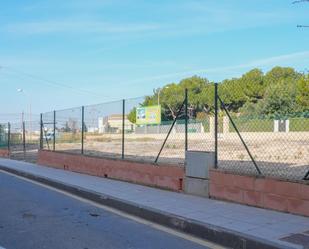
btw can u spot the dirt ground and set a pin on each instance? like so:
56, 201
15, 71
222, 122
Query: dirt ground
283, 155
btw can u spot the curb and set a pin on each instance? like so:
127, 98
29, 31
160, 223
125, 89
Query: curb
212, 233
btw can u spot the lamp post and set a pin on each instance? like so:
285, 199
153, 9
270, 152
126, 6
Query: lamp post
20, 90
159, 91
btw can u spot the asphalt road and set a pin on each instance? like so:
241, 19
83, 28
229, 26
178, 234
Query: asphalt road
32, 216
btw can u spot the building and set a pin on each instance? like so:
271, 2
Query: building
113, 124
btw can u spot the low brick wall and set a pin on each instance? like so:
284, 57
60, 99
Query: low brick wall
162, 176
260, 192
4, 153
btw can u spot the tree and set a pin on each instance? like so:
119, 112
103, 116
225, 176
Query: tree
280, 91
132, 116
279, 100
253, 86
285, 75
232, 93
302, 95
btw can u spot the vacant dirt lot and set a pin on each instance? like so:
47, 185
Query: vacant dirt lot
276, 154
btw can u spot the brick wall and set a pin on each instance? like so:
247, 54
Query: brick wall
260, 192
163, 176
4, 153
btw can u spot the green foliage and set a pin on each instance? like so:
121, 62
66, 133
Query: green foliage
302, 96
279, 100
299, 124
132, 116
252, 125
280, 92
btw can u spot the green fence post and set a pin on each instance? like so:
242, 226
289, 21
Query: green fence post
54, 132
123, 125
9, 137
186, 119
24, 140
216, 125
83, 129
41, 131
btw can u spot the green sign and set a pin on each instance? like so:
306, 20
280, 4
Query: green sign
148, 115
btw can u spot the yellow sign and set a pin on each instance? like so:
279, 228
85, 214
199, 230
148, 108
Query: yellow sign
148, 115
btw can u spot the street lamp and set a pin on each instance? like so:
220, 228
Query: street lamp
159, 91
20, 90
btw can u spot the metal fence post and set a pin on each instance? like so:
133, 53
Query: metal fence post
216, 125
24, 140
123, 125
54, 132
41, 131
83, 128
9, 137
186, 119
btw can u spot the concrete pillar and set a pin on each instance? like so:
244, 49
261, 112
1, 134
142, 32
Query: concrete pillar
276, 125
212, 126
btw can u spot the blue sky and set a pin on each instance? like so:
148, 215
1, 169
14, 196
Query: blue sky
96, 51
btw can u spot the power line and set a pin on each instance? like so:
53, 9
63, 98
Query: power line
51, 82
299, 1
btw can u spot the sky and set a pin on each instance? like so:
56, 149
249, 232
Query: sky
71, 53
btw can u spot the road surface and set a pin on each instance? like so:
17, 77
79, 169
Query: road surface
33, 216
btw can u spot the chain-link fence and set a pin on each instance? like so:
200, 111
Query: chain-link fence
103, 130
147, 129
262, 145
4, 136
21, 139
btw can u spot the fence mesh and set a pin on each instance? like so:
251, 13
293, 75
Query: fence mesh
278, 146
3, 136
48, 130
103, 129
68, 130
268, 145
144, 141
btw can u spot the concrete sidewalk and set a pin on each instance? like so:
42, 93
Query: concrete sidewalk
229, 224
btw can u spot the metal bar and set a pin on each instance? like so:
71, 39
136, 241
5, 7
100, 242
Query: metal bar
306, 177
54, 132
83, 128
183, 103
24, 140
216, 125
41, 131
238, 133
9, 137
186, 119
123, 125
45, 137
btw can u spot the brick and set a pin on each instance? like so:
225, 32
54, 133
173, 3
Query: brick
216, 191
4, 153
304, 192
265, 185
298, 206
163, 176
233, 194
253, 198
244, 182
288, 189
275, 202
217, 177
